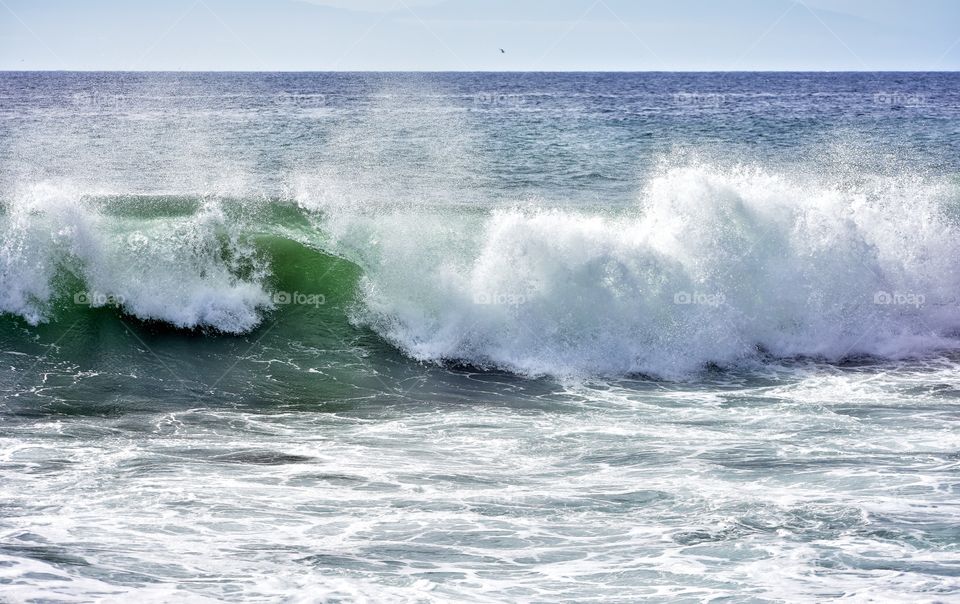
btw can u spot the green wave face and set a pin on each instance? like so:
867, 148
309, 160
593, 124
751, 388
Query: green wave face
719, 266
300, 346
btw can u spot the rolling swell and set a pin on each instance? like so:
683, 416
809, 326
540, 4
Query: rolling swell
192, 263
719, 265
715, 266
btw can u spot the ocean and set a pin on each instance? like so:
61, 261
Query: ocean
479, 337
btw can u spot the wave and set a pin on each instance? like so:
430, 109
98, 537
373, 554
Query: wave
716, 265
189, 270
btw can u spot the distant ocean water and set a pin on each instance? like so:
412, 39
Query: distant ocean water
479, 337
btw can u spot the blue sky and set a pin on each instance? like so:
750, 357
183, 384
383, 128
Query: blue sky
537, 35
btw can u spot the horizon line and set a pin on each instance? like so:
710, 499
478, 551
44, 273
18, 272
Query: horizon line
439, 71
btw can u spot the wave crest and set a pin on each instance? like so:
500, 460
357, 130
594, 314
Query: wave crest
716, 266
192, 271
713, 266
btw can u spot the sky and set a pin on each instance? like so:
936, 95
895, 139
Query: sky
467, 35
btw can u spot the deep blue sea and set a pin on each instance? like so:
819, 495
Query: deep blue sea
476, 337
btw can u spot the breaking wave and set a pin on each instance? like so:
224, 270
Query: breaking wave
713, 266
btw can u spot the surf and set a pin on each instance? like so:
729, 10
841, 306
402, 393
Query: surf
200, 263
715, 265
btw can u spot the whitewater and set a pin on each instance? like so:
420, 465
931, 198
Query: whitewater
712, 265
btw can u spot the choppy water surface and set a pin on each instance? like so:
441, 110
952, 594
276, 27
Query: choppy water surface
477, 337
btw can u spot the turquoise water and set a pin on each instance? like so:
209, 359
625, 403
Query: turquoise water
479, 337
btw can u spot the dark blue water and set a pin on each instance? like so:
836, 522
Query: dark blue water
522, 135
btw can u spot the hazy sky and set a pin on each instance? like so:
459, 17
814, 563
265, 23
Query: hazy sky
467, 34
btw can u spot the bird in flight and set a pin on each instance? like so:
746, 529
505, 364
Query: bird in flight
502, 51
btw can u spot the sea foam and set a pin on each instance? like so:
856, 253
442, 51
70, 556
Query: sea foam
715, 266
180, 270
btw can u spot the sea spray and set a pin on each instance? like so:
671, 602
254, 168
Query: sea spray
715, 266
194, 271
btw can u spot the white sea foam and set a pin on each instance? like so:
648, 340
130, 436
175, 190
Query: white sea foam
715, 265
170, 269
